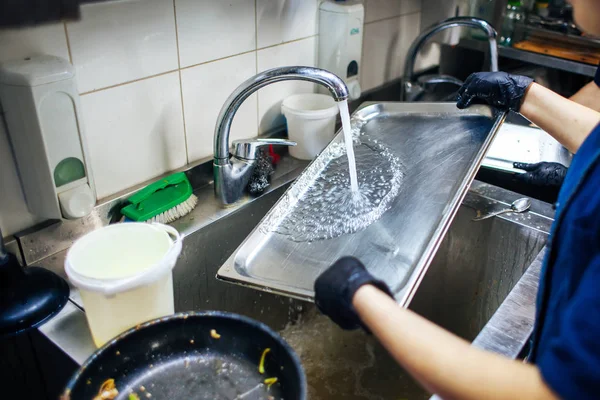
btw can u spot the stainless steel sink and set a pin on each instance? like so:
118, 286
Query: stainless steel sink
474, 270
205, 250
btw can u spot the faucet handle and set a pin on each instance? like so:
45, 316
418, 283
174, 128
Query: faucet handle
247, 149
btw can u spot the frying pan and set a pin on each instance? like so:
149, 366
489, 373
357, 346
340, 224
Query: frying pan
178, 357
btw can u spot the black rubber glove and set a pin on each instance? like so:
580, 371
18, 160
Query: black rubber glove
547, 174
335, 288
498, 89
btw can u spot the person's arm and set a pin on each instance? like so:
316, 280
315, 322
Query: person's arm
588, 96
568, 122
442, 362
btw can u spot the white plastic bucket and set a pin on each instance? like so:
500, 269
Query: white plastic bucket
123, 272
310, 123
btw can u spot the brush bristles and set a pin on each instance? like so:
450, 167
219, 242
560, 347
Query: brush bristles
176, 212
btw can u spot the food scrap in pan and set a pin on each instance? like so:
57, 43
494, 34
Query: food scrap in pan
108, 390
214, 334
270, 381
261, 365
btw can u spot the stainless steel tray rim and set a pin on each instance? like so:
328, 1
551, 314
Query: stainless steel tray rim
234, 269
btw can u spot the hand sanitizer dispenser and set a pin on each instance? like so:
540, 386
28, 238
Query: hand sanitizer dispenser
43, 116
340, 41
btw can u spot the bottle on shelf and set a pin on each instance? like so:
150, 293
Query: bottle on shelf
513, 14
541, 8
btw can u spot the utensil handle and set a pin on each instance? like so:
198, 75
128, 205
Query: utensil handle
493, 214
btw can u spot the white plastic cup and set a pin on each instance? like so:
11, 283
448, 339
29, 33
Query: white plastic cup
124, 274
310, 122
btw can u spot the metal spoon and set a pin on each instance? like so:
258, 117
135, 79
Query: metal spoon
517, 206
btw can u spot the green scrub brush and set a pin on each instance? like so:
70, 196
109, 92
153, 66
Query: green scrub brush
163, 201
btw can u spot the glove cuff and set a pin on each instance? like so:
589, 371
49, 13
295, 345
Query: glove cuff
364, 278
356, 282
522, 83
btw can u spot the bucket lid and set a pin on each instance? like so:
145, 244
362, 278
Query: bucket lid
123, 256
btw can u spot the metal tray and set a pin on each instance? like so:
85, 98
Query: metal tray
525, 144
440, 148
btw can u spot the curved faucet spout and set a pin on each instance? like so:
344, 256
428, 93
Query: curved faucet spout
336, 87
411, 56
231, 176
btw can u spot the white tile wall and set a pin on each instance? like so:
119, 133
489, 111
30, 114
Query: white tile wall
46, 39
14, 215
135, 132
301, 52
135, 100
210, 29
384, 49
219, 79
123, 41
281, 21
376, 10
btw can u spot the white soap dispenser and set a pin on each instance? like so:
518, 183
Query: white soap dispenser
43, 116
340, 41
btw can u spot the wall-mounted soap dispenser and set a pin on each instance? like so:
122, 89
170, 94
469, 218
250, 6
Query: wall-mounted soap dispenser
340, 41
43, 116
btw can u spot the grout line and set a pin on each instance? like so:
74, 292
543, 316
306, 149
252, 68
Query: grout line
195, 65
176, 35
127, 83
289, 41
185, 136
256, 24
185, 133
394, 17
247, 52
218, 59
256, 63
68, 43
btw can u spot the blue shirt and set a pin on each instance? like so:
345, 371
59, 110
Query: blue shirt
566, 339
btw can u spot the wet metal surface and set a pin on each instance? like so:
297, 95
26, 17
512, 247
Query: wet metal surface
440, 149
510, 327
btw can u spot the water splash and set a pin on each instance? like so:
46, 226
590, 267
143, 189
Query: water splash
326, 207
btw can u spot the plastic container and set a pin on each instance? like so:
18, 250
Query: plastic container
310, 123
123, 272
512, 15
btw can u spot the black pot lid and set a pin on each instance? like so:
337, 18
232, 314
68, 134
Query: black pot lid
28, 296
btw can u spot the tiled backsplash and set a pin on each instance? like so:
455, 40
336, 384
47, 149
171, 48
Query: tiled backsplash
153, 75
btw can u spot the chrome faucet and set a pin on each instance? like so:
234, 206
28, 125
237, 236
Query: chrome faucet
232, 174
409, 87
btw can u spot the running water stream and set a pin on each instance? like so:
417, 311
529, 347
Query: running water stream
347, 129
